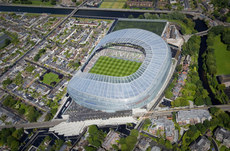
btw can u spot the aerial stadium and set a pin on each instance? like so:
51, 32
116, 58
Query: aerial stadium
126, 70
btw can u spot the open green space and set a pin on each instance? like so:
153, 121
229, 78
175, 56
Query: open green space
114, 67
112, 4
187, 29
51, 79
35, 2
153, 26
39, 2
222, 56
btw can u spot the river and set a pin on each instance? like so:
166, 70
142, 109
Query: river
65, 11
201, 26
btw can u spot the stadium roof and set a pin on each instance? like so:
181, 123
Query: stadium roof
108, 93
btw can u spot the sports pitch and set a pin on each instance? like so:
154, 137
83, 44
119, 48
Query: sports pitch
114, 67
112, 4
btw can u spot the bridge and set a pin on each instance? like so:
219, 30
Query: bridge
202, 33
35, 124
55, 122
169, 112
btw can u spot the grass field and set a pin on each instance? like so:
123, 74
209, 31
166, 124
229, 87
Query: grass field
39, 2
222, 56
112, 4
188, 30
155, 27
114, 67
51, 79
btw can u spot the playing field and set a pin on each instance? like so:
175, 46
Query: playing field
222, 57
51, 79
113, 4
114, 67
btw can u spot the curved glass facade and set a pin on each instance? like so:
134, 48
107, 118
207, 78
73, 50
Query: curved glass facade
110, 94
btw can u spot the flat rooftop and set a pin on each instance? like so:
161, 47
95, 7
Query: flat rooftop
155, 26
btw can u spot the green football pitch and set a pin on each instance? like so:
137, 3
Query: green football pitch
114, 67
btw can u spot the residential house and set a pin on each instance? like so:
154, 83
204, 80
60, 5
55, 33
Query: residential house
164, 126
223, 136
201, 144
137, 3
111, 138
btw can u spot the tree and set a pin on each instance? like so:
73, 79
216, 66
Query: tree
228, 47
214, 122
90, 148
114, 146
53, 2
199, 101
18, 133
19, 79
206, 124
208, 101
7, 42
168, 145
124, 147
130, 16
33, 114
147, 15
214, 110
10, 139
96, 143
48, 116
180, 101
5, 133
37, 57
224, 118
201, 128
134, 132
179, 68
92, 129
141, 17
57, 145
14, 145
125, 5
7, 82
226, 37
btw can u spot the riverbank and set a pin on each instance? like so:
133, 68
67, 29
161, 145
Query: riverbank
209, 63
39, 6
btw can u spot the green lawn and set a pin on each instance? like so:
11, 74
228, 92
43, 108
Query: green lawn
222, 56
114, 67
36, 2
188, 30
39, 2
51, 79
153, 26
113, 4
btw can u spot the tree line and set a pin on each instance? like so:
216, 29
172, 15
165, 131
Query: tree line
209, 62
30, 112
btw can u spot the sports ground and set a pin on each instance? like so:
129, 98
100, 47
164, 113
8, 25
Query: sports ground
114, 67
112, 4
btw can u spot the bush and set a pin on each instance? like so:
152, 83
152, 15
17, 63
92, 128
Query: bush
228, 47
7, 82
